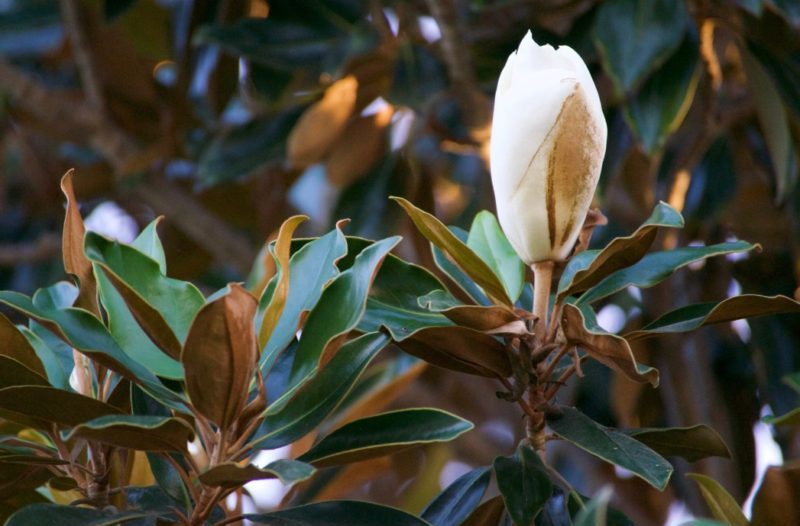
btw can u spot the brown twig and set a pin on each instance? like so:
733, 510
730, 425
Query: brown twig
76, 30
43, 248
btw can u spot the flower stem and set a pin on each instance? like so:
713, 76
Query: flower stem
542, 281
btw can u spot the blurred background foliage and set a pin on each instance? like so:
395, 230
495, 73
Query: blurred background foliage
227, 116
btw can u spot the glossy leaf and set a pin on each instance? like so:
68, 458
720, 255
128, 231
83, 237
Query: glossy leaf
220, 356
464, 257
164, 307
140, 432
453, 505
524, 484
693, 317
129, 335
384, 434
280, 252
692, 443
487, 514
47, 513
612, 446
339, 310
87, 334
459, 349
337, 513
590, 267
320, 396
234, 475
75, 260
722, 505
149, 244
481, 318
658, 266
311, 268
487, 240
55, 354
48, 405
634, 38
451, 270
16, 346
581, 328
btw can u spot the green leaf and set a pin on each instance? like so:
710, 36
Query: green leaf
50, 405
490, 318
596, 511
792, 418
611, 446
233, 475
488, 241
458, 276
129, 335
70, 516
703, 522
590, 267
693, 317
238, 152
658, 109
55, 354
320, 395
658, 266
722, 505
87, 334
488, 513
339, 310
149, 244
775, 125
311, 268
464, 257
337, 513
581, 329
140, 432
636, 38
385, 434
453, 505
524, 484
164, 307
692, 443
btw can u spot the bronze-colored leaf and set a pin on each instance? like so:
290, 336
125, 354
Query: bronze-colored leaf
346, 164
482, 318
692, 443
322, 123
13, 372
281, 253
220, 354
459, 349
776, 502
15, 345
487, 514
608, 349
75, 260
46, 405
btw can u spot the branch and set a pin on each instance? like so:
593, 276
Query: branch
75, 28
45, 247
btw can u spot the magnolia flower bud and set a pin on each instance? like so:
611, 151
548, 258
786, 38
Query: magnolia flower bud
548, 143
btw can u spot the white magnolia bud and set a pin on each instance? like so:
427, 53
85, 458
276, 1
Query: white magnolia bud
547, 148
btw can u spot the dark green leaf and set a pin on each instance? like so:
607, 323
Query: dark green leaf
590, 267
660, 106
140, 432
234, 475
38, 514
524, 484
384, 434
635, 38
464, 257
692, 443
337, 513
453, 505
488, 241
611, 446
596, 510
320, 396
658, 266
693, 317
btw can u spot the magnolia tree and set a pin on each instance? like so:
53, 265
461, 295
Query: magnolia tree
126, 370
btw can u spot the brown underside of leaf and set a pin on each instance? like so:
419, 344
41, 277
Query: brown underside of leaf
220, 355
75, 260
15, 345
459, 349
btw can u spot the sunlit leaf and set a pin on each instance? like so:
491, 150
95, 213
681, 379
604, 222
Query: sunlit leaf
723, 506
75, 260
149, 244
488, 241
